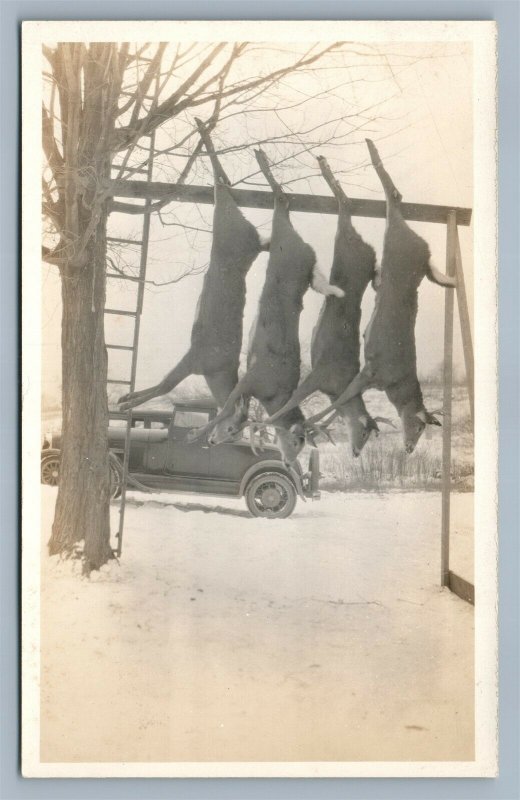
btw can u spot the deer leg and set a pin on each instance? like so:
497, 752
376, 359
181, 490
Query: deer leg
391, 193
333, 183
376, 280
227, 411
221, 384
218, 170
169, 382
358, 385
306, 387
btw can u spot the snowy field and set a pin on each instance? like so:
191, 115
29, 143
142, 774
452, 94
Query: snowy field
223, 637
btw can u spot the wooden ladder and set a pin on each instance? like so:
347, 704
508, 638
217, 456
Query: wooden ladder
144, 209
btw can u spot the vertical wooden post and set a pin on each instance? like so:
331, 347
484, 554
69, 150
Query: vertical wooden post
451, 248
465, 328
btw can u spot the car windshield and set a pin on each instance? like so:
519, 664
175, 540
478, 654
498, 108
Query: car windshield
190, 419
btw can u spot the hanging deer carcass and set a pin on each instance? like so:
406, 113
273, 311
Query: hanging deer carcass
335, 341
390, 356
216, 337
273, 364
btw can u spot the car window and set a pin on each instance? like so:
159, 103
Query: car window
117, 423
161, 424
190, 419
121, 423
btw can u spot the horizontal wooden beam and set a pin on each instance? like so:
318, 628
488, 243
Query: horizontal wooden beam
251, 198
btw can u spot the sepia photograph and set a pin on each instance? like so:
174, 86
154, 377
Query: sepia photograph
259, 383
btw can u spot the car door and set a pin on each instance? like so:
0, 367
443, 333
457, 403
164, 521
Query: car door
187, 462
230, 460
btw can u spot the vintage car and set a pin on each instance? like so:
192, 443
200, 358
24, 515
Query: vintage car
162, 459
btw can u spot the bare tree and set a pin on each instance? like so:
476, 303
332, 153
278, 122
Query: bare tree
101, 99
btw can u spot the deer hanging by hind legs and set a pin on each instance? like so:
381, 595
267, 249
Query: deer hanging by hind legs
390, 355
335, 341
216, 336
273, 364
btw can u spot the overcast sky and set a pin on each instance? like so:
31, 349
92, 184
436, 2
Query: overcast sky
414, 101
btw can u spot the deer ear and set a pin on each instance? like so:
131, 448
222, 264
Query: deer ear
422, 415
431, 420
297, 430
363, 419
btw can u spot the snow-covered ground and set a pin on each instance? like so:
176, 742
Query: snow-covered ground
223, 637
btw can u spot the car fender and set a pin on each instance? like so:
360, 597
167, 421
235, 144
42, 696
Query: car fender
50, 451
270, 465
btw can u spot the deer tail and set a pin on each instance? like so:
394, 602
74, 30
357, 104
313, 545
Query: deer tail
321, 285
436, 276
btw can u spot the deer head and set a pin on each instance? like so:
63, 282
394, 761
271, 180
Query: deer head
360, 429
291, 442
227, 429
414, 423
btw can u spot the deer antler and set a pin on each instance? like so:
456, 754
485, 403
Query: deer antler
312, 430
386, 421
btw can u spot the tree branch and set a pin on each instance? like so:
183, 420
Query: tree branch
50, 148
247, 85
167, 108
143, 86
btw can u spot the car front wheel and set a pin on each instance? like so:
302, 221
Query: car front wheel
271, 495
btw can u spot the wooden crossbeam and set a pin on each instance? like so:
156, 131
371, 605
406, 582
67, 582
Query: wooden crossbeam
251, 198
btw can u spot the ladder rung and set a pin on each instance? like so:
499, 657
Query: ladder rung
119, 346
127, 383
124, 241
142, 170
120, 311
128, 208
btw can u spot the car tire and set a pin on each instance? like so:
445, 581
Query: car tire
50, 471
116, 476
271, 495
50, 468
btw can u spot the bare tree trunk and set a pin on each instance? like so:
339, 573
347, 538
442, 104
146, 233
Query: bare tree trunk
83, 502
82, 507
